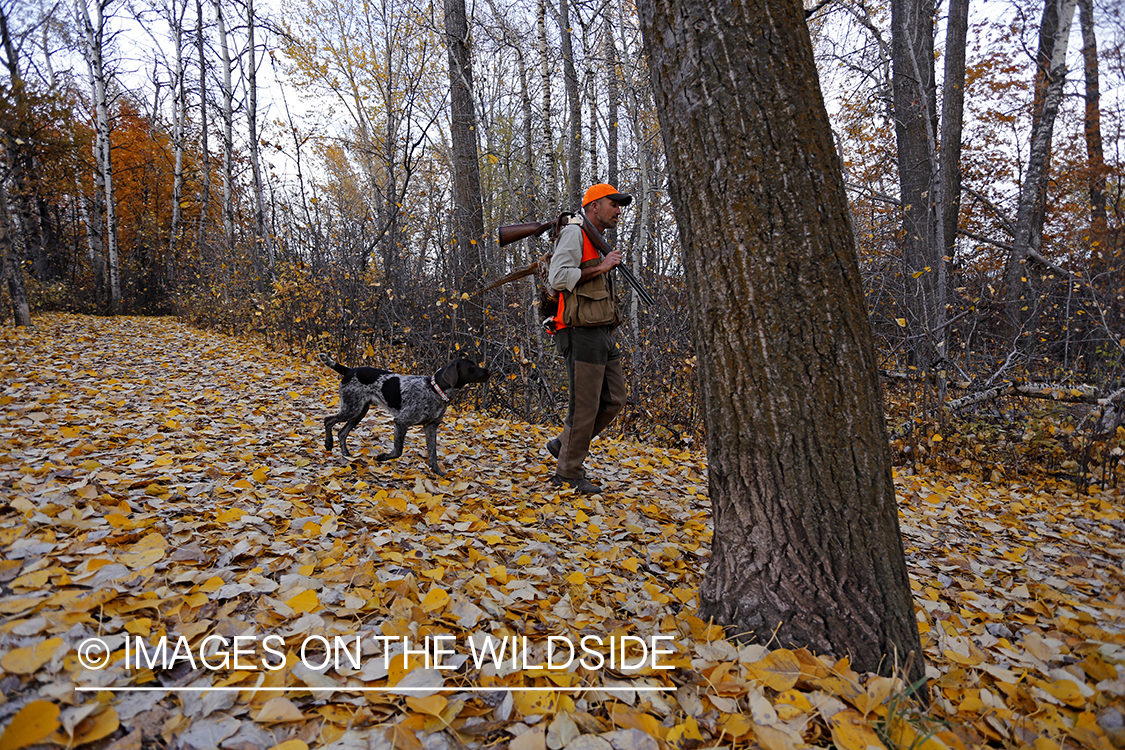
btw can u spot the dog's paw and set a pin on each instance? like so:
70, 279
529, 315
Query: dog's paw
385, 457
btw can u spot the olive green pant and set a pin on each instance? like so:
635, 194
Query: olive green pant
597, 392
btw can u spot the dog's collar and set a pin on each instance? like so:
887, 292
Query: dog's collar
440, 392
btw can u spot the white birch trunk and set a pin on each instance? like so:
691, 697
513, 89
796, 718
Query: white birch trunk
179, 112
228, 129
204, 145
262, 239
551, 195
94, 28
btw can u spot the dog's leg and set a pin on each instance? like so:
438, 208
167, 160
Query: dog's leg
349, 427
400, 440
329, 423
430, 429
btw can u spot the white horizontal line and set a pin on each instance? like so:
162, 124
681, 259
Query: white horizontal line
440, 689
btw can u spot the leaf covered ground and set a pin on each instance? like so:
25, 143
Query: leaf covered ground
162, 482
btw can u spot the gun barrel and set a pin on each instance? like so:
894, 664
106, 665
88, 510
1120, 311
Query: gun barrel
516, 232
633, 282
600, 245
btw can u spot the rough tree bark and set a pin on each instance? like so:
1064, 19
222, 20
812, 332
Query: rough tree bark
916, 124
952, 122
574, 106
11, 272
806, 548
21, 159
468, 217
1101, 252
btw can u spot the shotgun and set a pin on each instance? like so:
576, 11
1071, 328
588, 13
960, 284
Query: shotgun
516, 232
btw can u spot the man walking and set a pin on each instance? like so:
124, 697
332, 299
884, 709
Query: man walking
587, 314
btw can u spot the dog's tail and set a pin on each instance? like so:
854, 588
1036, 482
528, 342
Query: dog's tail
328, 361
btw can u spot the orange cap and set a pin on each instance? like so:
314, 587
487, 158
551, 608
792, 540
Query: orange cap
602, 190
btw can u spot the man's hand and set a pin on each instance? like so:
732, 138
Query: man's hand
608, 263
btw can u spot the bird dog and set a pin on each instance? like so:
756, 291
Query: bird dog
410, 399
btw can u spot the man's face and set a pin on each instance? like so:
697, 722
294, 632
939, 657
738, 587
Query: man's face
606, 213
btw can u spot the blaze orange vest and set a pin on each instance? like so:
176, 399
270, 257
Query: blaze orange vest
589, 257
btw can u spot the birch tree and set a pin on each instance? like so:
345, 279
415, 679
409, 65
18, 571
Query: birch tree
175, 13
226, 115
93, 26
550, 195
263, 243
204, 145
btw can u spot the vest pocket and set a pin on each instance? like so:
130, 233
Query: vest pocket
590, 305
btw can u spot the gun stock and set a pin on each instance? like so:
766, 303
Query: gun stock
516, 232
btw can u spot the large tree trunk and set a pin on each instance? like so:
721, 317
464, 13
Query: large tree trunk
468, 224
11, 271
806, 548
21, 159
915, 109
574, 107
1054, 34
1099, 250
952, 122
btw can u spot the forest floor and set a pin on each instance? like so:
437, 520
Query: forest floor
158, 481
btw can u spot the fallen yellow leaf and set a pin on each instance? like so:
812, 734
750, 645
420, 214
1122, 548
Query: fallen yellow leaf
851, 732
33, 723
306, 601
278, 710
29, 659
